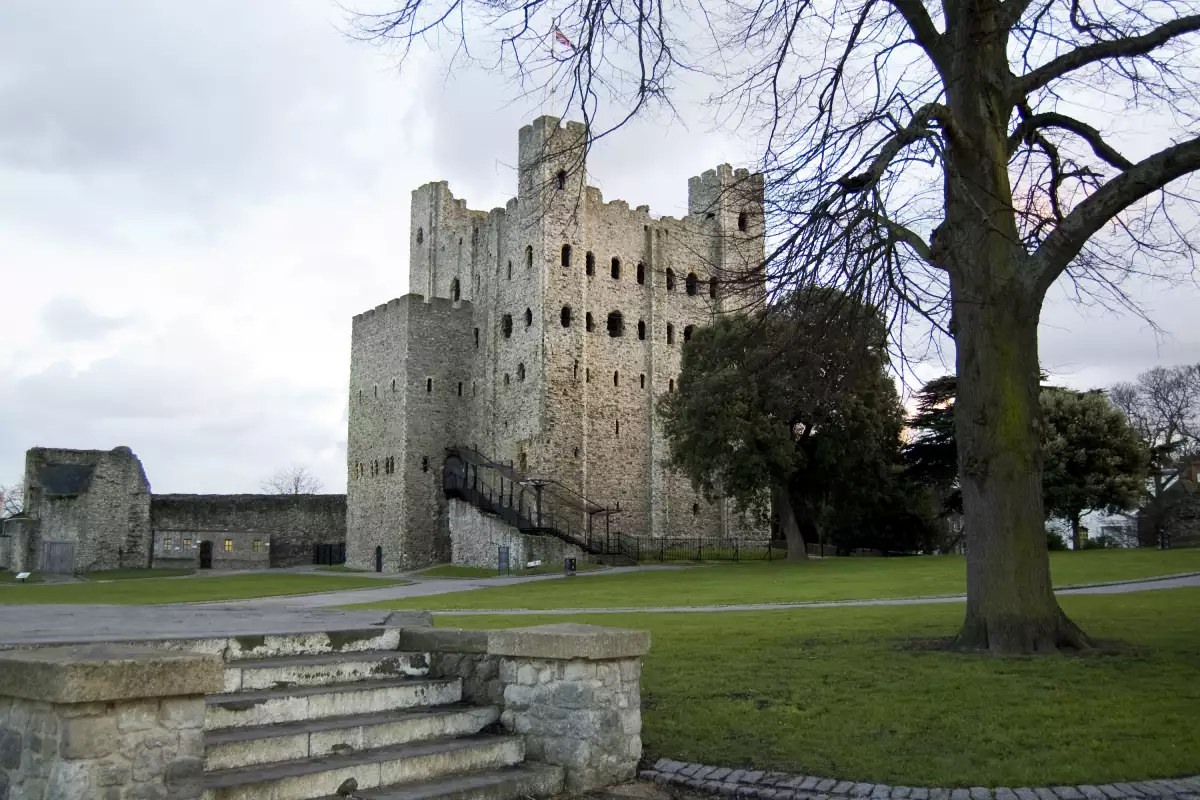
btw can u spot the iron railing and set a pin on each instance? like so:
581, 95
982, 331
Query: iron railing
700, 549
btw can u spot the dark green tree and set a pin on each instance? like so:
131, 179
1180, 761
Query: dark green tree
792, 406
1093, 457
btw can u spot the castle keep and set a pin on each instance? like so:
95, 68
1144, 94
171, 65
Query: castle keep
541, 334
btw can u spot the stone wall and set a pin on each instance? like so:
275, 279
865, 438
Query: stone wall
285, 526
97, 500
502, 315
103, 721
476, 539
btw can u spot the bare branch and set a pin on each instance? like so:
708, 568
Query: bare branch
1128, 47
1052, 119
1141, 180
923, 31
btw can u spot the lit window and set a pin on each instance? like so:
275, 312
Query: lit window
256, 546
187, 542
229, 545
166, 543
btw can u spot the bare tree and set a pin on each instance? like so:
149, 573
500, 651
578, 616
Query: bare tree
1163, 406
12, 499
928, 158
295, 479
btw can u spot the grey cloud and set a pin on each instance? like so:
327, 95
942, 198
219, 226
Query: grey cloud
69, 319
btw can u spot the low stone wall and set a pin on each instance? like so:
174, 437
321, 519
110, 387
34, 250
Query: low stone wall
103, 721
573, 691
476, 539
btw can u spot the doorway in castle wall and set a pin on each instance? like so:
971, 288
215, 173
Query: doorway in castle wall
206, 555
379, 559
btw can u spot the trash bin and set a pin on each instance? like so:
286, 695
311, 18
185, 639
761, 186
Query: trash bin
569, 566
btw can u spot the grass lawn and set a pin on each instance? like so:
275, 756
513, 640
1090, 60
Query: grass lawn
135, 574
844, 692
783, 582
11, 577
456, 571
171, 590
339, 568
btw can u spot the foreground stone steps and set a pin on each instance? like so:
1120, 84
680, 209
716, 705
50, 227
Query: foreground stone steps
317, 777
296, 704
508, 783
322, 669
230, 748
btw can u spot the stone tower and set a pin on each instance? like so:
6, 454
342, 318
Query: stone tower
541, 334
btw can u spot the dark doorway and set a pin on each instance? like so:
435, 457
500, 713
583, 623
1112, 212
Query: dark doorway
206, 555
379, 559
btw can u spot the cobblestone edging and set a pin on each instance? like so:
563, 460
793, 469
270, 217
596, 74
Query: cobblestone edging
742, 783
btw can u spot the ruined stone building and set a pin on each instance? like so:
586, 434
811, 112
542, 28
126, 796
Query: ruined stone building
540, 335
91, 510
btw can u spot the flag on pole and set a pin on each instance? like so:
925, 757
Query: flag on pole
562, 37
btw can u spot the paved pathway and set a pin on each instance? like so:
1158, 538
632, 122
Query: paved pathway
49, 624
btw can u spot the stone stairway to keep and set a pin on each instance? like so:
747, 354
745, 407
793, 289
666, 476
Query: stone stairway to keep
308, 720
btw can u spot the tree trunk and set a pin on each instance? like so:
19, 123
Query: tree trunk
1011, 607
1075, 542
789, 526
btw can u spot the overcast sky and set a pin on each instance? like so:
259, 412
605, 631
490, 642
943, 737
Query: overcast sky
195, 200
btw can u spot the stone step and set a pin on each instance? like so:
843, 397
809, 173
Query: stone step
264, 744
388, 766
300, 703
323, 669
507, 783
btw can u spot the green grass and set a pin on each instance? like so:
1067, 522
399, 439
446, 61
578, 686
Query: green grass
135, 574
339, 568
843, 692
11, 577
151, 590
783, 582
456, 571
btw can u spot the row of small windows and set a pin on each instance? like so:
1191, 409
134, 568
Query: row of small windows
691, 282
616, 325
617, 378
361, 469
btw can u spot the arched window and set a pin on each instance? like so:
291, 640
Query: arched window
454, 290
566, 255
670, 333
616, 324
565, 316
528, 318
587, 322
520, 372
670, 279
616, 378
428, 385
529, 257
742, 220
507, 380
687, 332
616, 268
695, 509
642, 380
589, 263
560, 180
420, 235
642, 329
506, 325
712, 287
692, 283
641, 272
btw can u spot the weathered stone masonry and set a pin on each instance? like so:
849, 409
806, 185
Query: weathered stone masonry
541, 333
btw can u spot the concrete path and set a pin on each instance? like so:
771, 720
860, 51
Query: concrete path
58, 624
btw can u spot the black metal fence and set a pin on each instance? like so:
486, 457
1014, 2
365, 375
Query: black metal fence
329, 553
708, 549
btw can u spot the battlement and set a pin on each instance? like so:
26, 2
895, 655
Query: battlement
412, 303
